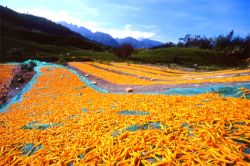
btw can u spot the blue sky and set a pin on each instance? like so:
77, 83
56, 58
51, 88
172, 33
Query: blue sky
163, 20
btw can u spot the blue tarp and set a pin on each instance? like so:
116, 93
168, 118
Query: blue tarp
132, 112
29, 149
225, 90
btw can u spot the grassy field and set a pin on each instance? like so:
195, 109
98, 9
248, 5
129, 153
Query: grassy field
20, 50
51, 53
188, 56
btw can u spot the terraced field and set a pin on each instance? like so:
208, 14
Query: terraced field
63, 118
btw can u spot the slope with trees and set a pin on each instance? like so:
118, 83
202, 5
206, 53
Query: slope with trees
21, 28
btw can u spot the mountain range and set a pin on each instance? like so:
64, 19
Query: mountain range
24, 36
106, 39
144, 43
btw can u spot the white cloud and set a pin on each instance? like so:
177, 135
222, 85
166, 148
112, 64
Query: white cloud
62, 15
127, 31
128, 27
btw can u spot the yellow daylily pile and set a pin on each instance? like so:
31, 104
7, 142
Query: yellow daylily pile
85, 127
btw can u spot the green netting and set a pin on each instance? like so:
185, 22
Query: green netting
189, 128
38, 126
153, 160
135, 127
80, 156
246, 151
146, 126
84, 110
132, 112
29, 149
225, 90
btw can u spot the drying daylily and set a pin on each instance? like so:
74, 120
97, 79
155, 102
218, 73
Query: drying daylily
6, 73
88, 129
133, 75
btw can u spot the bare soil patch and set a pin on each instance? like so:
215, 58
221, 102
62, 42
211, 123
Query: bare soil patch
15, 85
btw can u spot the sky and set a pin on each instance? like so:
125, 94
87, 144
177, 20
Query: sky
162, 20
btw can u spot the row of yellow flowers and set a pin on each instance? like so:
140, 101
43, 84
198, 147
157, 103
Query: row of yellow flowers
137, 72
6, 73
169, 70
136, 80
167, 75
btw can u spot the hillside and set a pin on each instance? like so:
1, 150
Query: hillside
29, 28
144, 43
183, 56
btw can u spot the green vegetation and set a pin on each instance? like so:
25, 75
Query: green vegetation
124, 51
229, 50
62, 61
20, 50
30, 37
182, 56
25, 37
42, 30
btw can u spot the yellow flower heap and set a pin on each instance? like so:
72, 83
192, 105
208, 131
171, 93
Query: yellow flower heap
162, 77
6, 73
85, 127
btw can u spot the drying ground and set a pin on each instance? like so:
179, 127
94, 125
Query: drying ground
63, 121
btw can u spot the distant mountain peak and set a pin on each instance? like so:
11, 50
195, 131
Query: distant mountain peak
99, 37
143, 43
107, 39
